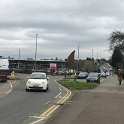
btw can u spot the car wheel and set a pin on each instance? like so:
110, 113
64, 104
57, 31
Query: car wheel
27, 90
98, 81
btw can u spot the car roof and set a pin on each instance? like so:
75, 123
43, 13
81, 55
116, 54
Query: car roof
83, 72
92, 73
39, 73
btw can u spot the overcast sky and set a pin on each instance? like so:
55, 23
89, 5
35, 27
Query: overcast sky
61, 25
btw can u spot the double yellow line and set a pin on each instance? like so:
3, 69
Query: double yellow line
45, 115
52, 109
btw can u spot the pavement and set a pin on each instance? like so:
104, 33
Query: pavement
103, 105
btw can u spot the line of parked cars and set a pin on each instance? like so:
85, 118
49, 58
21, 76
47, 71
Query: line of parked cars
92, 76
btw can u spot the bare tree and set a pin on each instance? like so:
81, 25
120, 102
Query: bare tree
117, 46
117, 40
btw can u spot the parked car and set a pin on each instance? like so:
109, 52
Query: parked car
37, 81
82, 75
93, 77
61, 72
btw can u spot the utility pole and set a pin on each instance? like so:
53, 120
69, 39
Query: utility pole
92, 53
35, 65
78, 55
19, 58
97, 57
78, 51
19, 54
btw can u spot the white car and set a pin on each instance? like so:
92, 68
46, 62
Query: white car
37, 81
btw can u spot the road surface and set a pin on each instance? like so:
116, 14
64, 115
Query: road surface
20, 107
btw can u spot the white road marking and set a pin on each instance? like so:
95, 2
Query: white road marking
59, 93
60, 89
47, 102
10, 90
38, 117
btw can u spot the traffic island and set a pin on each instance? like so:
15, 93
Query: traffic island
77, 85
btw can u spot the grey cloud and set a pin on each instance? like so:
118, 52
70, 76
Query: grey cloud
61, 24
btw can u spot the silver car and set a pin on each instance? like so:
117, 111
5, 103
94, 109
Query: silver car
93, 77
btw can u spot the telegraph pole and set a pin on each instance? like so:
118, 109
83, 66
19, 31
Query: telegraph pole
97, 54
35, 65
19, 54
92, 53
78, 55
19, 58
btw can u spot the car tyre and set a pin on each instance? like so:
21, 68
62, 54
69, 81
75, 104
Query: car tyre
98, 81
27, 90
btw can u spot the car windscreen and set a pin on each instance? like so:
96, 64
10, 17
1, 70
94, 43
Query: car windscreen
93, 75
83, 74
38, 76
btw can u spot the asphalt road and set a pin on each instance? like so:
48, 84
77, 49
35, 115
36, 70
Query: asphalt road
20, 107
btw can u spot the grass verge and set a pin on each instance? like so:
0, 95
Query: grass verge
77, 85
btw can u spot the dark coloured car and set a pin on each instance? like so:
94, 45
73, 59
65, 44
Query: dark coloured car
82, 75
93, 77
